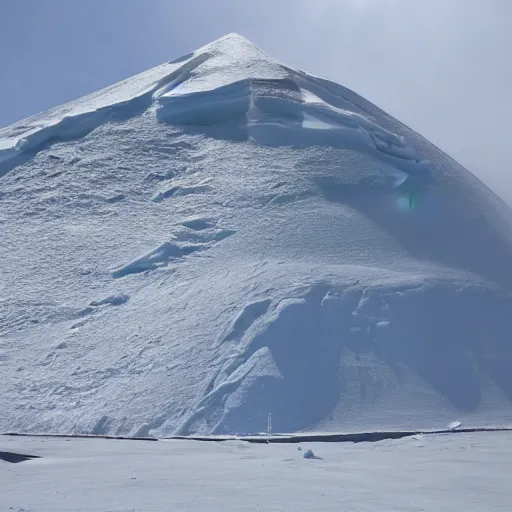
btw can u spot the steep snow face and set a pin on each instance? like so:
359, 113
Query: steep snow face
223, 238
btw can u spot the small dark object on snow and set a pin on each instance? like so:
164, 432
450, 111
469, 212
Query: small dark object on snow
308, 454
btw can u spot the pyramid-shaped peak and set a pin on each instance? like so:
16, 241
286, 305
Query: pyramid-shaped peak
256, 235
235, 45
227, 60
233, 40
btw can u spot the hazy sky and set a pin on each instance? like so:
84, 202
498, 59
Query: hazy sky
443, 67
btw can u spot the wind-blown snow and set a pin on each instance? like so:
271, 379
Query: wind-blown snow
224, 237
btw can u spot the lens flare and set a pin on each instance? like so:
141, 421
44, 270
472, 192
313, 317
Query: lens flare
407, 202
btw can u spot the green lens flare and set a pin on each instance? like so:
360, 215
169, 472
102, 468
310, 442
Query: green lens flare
407, 201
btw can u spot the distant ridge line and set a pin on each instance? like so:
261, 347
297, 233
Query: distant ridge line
358, 437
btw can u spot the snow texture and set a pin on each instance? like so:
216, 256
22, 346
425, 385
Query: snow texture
222, 238
449, 473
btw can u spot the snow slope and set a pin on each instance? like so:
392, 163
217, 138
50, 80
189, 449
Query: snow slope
223, 238
449, 473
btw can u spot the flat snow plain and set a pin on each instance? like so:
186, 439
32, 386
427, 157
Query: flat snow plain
435, 473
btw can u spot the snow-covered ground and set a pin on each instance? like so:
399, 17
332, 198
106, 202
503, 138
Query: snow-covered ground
223, 238
467, 472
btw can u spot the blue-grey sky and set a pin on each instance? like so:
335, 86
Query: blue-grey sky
444, 67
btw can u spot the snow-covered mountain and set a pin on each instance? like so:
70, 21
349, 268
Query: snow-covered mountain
222, 238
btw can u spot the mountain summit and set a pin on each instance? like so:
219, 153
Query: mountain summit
222, 238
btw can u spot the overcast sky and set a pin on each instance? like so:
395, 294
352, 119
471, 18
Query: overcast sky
443, 67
